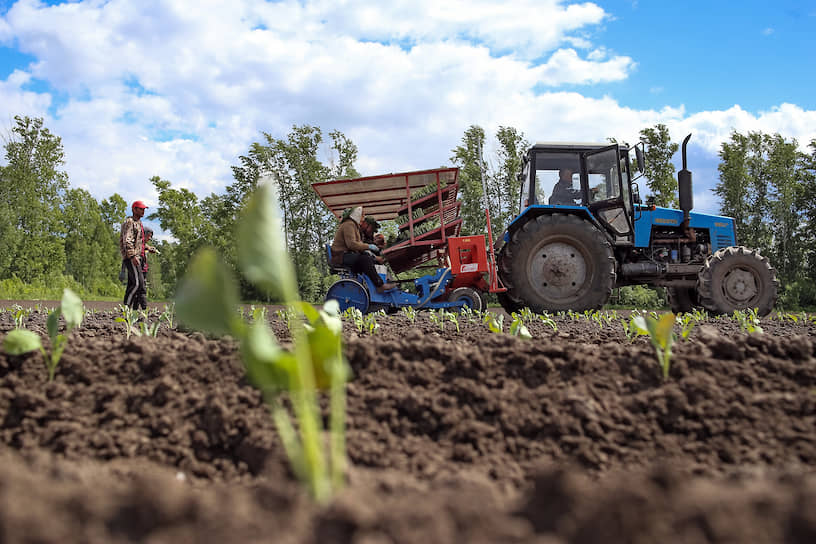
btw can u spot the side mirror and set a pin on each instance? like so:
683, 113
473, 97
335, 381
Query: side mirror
639, 155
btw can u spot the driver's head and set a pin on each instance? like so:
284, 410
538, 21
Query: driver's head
565, 174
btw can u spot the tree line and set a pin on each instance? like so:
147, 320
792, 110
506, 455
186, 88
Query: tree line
53, 235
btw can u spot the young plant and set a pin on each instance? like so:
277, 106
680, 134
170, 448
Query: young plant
19, 314
151, 330
661, 334
128, 317
21, 341
517, 328
748, 320
453, 318
547, 320
437, 319
409, 313
168, 315
356, 317
370, 322
494, 323
687, 323
206, 300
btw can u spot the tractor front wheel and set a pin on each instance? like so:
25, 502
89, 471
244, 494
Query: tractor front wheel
558, 262
737, 278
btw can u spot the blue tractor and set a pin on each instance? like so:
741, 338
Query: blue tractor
582, 231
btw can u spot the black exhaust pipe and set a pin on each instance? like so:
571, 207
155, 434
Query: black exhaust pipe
684, 186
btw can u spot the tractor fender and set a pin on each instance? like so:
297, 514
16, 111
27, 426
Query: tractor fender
532, 212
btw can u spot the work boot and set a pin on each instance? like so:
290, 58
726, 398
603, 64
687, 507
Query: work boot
386, 287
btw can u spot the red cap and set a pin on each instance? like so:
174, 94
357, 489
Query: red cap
139, 204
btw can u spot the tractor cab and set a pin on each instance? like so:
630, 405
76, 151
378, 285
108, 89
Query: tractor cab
593, 177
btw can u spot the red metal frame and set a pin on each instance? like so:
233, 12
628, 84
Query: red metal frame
386, 196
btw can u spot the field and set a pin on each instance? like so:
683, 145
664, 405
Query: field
453, 436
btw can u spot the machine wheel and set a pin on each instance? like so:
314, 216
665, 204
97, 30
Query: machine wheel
682, 299
508, 303
473, 299
558, 262
737, 278
349, 294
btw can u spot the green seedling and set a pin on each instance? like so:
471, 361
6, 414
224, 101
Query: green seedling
687, 323
748, 320
662, 336
494, 323
21, 341
206, 300
526, 314
370, 322
518, 328
128, 317
438, 319
356, 317
409, 313
19, 315
151, 330
453, 318
547, 320
168, 316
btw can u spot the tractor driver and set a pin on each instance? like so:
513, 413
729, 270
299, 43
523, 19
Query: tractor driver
348, 249
563, 193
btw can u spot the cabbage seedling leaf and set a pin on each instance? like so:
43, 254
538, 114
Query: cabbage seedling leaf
261, 248
207, 296
21, 341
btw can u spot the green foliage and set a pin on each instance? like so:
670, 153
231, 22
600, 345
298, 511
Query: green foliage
356, 317
661, 334
748, 320
494, 322
639, 296
409, 312
207, 300
31, 186
518, 328
21, 341
128, 317
659, 169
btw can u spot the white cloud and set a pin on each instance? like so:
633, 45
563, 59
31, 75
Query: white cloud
179, 89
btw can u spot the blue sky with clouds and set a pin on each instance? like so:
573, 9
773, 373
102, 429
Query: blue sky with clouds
181, 88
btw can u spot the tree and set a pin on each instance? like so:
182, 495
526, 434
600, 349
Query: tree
659, 169
180, 213
31, 190
470, 159
91, 250
505, 184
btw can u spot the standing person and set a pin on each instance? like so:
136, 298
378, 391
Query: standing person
148, 235
348, 249
132, 247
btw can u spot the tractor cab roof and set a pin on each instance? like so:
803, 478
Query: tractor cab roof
570, 146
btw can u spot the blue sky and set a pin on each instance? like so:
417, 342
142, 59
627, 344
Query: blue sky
181, 88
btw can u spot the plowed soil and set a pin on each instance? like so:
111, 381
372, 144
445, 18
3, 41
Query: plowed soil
453, 436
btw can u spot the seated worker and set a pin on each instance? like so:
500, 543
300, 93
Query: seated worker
563, 193
368, 228
348, 249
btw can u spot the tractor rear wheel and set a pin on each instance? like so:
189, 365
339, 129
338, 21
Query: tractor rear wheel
472, 298
682, 299
558, 262
349, 294
737, 278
